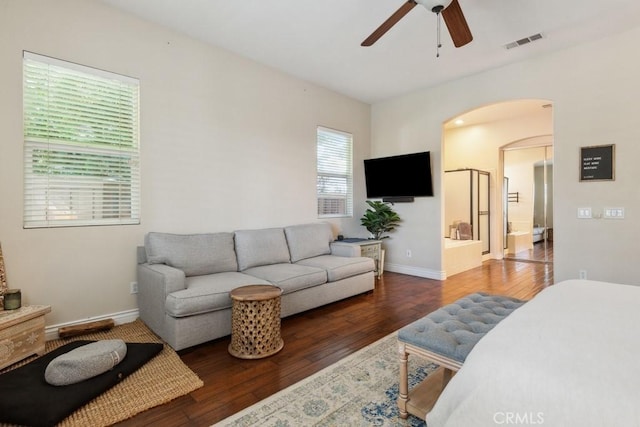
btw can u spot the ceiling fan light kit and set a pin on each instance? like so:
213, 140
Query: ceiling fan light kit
450, 11
435, 6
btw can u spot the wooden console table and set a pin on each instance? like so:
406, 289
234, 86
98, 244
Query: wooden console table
22, 333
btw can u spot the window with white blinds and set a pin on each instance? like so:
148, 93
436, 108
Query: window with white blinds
81, 145
335, 173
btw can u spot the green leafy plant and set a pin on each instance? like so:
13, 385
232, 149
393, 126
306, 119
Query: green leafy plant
380, 218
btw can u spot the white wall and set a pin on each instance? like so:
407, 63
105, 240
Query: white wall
226, 144
594, 89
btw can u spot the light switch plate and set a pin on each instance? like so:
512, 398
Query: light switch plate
584, 212
614, 213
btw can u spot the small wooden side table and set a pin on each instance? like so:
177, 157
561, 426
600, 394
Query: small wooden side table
22, 333
255, 321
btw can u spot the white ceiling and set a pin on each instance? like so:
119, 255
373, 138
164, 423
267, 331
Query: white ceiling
319, 41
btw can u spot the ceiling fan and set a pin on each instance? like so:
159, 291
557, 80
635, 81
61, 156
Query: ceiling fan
451, 13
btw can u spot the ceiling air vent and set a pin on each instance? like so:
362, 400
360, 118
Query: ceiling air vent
523, 41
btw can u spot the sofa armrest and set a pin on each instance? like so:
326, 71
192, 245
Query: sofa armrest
160, 278
155, 282
345, 249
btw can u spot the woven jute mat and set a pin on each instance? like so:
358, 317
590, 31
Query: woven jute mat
162, 379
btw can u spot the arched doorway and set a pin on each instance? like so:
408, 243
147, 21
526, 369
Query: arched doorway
475, 140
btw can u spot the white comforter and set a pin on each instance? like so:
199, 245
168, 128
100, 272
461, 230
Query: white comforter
569, 357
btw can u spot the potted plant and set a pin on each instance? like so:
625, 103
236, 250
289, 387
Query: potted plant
380, 218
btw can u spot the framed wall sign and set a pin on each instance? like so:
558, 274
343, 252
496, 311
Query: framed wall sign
597, 163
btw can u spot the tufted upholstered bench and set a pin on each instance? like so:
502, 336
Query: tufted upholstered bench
446, 337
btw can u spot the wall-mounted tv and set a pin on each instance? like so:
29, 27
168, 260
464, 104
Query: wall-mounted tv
399, 178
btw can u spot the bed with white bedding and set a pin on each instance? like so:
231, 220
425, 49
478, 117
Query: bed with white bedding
538, 234
568, 357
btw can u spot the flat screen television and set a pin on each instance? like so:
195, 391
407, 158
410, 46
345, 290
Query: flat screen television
399, 178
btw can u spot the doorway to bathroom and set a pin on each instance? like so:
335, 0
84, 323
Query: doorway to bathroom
528, 201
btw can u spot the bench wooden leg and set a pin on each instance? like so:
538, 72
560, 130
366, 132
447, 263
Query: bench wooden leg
446, 376
423, 396
403, 395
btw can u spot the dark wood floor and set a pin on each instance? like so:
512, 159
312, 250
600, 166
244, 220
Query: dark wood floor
541, 252
320, 337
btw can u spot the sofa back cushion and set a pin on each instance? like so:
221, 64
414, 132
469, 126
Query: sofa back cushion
261, 247
308, 240
195, 254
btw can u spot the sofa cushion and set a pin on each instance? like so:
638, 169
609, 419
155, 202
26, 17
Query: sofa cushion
195, 254
339, 267
261, 247
308, 240
207, 293
290, 277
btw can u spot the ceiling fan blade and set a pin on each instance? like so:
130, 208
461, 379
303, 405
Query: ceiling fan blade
386, 25
457, 24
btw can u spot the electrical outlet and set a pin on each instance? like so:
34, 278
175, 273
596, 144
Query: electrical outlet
408, 253
582, 274
133, 287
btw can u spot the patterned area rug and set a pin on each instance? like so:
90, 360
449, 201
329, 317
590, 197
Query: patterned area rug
162, 379
360, 390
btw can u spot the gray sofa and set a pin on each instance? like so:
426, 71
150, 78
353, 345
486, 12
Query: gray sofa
184, 280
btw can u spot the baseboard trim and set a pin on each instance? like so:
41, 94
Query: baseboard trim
415, 271
51, 332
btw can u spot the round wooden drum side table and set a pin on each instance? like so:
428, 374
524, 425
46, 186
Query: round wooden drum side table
255, 321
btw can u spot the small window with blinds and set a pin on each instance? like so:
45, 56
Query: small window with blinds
335, 173
81, 145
